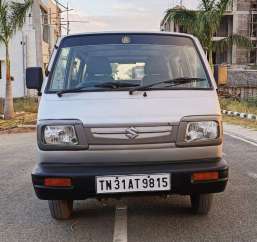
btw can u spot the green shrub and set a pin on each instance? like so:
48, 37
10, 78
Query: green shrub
239, 106
26, 105
253, 101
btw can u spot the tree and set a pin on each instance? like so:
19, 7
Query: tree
12, 18
204, 23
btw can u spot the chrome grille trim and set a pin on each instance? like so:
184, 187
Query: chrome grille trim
159, 129
123, 133
131, 134
123, 136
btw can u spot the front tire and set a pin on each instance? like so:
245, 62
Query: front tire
61, 209
201, 203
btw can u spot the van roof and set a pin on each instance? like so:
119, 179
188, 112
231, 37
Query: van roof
129, 32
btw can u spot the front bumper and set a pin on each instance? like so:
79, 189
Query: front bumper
83, 178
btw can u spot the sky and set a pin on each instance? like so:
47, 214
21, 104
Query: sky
120, 15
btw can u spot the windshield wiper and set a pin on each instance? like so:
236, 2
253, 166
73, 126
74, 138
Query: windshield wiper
111, 85
78, 89
115, 85
137, 87
173, 82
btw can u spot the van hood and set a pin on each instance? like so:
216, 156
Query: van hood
100, 108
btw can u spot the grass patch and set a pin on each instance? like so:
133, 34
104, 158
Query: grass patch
22, 119
29, 105
242, 122
239, 106
26, 114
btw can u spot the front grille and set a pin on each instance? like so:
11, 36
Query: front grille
131, 134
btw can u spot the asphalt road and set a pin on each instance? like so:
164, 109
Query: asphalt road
25, 218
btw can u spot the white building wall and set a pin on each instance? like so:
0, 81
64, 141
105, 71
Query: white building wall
30, 55
16, 58
27, 49
15, 50
2, 81
22, 54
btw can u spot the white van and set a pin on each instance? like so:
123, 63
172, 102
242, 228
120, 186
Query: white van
127, 114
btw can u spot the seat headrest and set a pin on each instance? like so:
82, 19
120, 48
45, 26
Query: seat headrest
99, 65
157, 68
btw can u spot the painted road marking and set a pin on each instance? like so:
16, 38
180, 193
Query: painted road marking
252, 175
240, 138
120, 233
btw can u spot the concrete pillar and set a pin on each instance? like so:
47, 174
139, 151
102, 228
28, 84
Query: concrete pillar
37, 26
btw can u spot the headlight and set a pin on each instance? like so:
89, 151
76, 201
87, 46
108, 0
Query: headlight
201, 131
60, 135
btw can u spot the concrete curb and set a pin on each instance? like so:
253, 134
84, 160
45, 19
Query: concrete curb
30, 126
247, 116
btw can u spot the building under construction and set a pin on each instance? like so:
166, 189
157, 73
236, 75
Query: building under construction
31, 45
239, 18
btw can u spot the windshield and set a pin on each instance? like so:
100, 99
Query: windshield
90, 66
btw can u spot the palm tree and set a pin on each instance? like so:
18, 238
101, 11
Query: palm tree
204, 23
12, 18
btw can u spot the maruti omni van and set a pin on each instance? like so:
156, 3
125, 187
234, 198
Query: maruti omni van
125, 114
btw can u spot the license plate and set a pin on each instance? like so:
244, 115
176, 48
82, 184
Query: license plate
133, 183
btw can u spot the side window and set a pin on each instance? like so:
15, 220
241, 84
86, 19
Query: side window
59, 74
175, 67
75, 71
183, 63
84, 70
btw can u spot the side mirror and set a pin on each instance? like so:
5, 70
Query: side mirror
34, 78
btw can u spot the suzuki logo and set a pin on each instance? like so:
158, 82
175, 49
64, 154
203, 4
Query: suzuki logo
131, 133
125, 40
